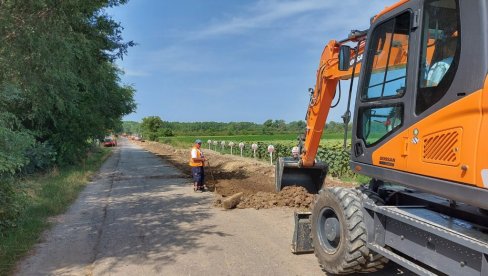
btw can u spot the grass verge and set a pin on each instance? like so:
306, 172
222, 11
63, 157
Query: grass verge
44, 196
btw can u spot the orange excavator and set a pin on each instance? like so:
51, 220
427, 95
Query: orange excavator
419, 130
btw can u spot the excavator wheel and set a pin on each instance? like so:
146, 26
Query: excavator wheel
375, 261
338, 231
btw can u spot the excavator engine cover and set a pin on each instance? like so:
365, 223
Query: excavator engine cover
290, 173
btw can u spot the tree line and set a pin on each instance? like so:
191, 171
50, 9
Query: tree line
59, 85
153, 127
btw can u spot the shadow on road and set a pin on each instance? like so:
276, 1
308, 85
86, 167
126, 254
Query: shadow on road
153, 215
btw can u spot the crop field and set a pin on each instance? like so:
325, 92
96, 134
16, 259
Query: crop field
331, 149
284, 139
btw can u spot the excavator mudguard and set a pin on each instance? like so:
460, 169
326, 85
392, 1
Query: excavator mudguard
290, 173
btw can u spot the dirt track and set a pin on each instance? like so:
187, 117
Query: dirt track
140, 216
230, 174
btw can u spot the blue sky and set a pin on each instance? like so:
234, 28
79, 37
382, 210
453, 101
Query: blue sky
239, 60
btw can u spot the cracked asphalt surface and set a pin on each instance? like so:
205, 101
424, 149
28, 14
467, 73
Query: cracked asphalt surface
140, 216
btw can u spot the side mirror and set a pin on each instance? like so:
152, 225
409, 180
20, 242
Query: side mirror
344, 57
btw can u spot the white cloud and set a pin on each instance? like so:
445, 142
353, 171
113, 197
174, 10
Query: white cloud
311, 21
263, 14
301, 20
135, 73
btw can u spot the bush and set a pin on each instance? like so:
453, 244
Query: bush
168, 132
13, 145
11, 203
337, 159
151, 136
333, 155
41, 157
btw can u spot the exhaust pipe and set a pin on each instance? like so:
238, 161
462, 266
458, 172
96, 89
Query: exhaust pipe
290, 173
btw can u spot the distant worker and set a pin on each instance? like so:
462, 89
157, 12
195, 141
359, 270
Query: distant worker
197, 161
295, 152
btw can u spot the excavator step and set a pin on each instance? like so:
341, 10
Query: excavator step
302, 238
447, 244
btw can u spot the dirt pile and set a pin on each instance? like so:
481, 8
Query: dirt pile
296, 197
226, 174
231, 174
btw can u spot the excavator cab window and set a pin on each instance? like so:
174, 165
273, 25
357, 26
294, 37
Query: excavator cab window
387, 70
378, 122
385, 79
439, 51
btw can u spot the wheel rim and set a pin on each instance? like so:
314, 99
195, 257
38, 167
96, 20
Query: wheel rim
329, 230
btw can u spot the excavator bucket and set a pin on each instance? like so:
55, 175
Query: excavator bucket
289, 173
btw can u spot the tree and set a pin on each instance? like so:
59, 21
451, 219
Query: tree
59, 85
150, 127
57, 60
279, 125
131, 127
166, 132
268, 127
297, 126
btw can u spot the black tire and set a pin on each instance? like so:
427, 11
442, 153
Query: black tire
374, 261
338, 231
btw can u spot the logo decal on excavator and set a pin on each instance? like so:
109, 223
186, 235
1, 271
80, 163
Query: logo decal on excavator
387, 161
360, 57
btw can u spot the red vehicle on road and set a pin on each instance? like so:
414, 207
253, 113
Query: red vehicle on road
109, 142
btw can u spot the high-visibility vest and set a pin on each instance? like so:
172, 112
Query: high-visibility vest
199, 155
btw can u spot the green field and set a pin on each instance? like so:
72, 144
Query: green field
330, 150
284, 139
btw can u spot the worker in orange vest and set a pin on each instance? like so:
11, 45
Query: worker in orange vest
197, 161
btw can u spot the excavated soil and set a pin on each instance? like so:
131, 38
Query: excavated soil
230, 174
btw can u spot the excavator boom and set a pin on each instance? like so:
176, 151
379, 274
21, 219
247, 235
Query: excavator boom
303, 170
328, 75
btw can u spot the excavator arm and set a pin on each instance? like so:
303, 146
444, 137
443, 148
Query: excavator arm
338, 62
328, 75
303, 170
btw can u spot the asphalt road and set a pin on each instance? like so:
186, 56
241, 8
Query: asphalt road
140, 216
